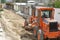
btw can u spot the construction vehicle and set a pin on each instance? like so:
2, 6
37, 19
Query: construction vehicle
43, 24
47, 27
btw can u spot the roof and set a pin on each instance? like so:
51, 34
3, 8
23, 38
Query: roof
30, 1
20, 3
44, 8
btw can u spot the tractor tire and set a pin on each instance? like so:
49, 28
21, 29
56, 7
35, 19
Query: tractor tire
46, 39
40, 35
58, 38
35, 30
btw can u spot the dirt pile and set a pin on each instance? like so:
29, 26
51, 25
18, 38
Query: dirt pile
12, 25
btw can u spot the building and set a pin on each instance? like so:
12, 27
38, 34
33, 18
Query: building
9, 0
4, 1
44, 1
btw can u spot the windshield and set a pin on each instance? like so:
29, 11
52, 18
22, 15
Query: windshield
46, 13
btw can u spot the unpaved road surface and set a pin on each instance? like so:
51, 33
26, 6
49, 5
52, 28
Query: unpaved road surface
12, 25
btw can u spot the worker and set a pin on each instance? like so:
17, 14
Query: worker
44, 15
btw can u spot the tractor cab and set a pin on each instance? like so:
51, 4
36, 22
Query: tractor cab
46, 16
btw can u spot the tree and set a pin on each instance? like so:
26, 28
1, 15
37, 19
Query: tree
21, 0
3, 1
57, 4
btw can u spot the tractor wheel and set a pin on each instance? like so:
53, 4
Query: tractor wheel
40, 35
35, 30
46, 39
58, 38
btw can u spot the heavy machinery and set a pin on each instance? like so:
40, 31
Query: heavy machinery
47, 27
43, 24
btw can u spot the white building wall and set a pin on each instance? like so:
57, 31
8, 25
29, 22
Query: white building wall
43, 1
57, 14
16, 7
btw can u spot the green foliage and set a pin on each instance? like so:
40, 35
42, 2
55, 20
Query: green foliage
57, 4
3, 1
21, 0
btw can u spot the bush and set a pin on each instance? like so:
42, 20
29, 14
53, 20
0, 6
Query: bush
57, 4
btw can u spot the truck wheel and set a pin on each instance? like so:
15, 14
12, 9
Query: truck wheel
40, 35
35, 30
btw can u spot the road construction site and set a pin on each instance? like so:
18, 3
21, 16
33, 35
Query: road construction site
29, 21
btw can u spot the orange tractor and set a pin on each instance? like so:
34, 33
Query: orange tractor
43, 24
